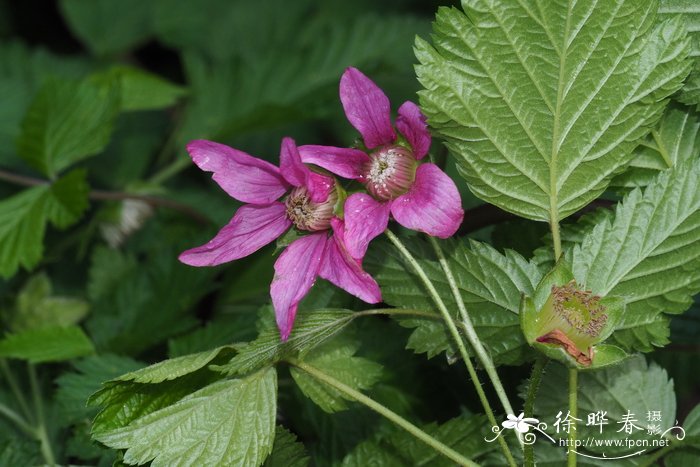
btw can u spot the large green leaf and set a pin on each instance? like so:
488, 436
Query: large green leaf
23, 219
67, 121
337, 359
231, 422
49, 344
649, 254
543, 104
491, 284
287, 451
689, 11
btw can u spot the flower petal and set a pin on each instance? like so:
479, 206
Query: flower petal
367, 108
343, 271
251, 228
432, 205
411, 123
295, 272
242, 176
297, 174
365, 218
344, 162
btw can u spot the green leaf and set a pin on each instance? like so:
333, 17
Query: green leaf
108, 27
139, 89
67, 122
675, 139
689, 10
50, 344
337, 359
491, 284
463, 434
37, 307
23, 219
310, 329
542, 106
689, 452
74, 388
231, 422
633, 386
287, 451
172, 368
649, 254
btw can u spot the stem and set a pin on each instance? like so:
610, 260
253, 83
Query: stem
101, 195
529, 408
41, 433
573, 391
472, 337
17, 419
385, 412
16, 391
455, 336
556, 238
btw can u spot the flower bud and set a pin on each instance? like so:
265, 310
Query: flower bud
308, 215
390, 172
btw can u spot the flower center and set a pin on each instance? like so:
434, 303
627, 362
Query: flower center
390, 172
307, 215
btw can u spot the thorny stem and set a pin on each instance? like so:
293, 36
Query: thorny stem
41, 433
573, 390
100, 195
472, 337
529, 408
455, 335
385, 412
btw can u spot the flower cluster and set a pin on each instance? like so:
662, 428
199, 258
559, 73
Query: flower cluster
302, 194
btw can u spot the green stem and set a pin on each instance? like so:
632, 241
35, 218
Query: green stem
16, 391
17, 419
529, 408
451, 326
573, 392
41, 432
472, 337
556, 238
385, 412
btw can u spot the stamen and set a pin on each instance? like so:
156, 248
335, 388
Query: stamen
390, 172
307, 215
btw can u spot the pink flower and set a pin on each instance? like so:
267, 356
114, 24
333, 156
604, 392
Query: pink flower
419, 196
308, 205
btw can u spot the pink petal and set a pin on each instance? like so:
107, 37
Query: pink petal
242, 176
365, 218
344, 162
432, 205
367, 108
339, 268
411, 123
251, 228
297, 174
295, 272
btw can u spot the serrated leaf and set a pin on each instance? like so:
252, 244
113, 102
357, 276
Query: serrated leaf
50, 344
691, 454
337, 359
542, 106
231, 422
463, 434
491, 284
36, 307
173, 368
67, 122
23, 219
287, 451
108, 27
633, 386
649, 254
689, 10
310, 329
74, 388
140, 90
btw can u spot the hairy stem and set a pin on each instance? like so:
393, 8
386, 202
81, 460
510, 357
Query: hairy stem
573, 392
529, 408
470, 332
385, 412
454, 332
41, 432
